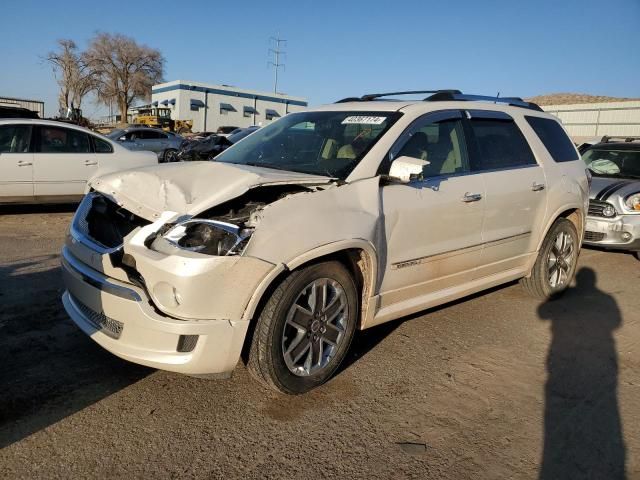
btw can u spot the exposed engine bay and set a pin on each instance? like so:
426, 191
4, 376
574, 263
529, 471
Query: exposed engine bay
226, 228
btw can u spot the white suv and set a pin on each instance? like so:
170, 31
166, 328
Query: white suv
322, 223
50, 161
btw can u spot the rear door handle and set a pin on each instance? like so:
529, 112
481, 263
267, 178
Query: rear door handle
24, 163
88, 163
536, 187
471, 197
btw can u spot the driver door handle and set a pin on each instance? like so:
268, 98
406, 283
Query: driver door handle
471, 197
24, 163
88, 163
536, 187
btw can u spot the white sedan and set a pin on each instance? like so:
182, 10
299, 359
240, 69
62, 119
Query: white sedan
45, 161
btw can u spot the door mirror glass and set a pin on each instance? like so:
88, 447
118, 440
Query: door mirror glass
405, 169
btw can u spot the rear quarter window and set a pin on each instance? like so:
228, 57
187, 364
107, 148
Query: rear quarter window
554, 139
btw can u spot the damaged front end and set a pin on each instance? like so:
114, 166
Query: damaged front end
223, 230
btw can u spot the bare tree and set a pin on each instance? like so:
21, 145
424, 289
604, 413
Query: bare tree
122, 69
73, 77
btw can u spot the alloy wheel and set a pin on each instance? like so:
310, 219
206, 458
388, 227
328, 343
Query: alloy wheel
560, 260
315, 326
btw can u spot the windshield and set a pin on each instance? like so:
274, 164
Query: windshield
318, 143
116, 134
613, 163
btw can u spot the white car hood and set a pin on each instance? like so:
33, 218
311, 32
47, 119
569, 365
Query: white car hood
190, 188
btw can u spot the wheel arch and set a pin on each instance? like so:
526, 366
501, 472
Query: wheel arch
574, 213
357, 255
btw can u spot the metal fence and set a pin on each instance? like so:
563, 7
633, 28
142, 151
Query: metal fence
34, 105
599, 119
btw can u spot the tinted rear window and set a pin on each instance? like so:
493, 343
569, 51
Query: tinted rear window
554, 139
500, 144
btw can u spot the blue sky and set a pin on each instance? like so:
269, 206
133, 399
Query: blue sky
348, 47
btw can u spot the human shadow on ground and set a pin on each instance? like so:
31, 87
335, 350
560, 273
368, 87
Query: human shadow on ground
582, 425
49, 369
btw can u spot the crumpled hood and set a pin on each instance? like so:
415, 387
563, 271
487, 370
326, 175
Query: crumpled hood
602, 188
190, 188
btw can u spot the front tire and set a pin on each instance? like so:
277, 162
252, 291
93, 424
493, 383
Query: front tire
305, 329
170, 155
556, 264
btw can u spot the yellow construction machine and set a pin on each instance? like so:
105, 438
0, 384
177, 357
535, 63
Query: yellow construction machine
161, 118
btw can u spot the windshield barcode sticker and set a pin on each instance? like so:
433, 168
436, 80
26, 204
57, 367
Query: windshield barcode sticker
364, 120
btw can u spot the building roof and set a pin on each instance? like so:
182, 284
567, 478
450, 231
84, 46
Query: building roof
226, 90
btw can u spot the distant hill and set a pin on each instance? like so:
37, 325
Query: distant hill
570, 98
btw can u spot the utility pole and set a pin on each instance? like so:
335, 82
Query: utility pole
277, 53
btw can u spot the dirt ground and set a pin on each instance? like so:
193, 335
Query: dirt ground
495, 386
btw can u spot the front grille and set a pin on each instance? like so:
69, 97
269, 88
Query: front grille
594, 236
596, 207
104, 222
107, 325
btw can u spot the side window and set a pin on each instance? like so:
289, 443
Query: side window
63, 140
554, 138
101, 146
500, 144
441, 144
149, 135
15, 138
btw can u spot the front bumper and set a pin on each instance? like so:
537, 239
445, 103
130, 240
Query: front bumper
121, 318
620, 233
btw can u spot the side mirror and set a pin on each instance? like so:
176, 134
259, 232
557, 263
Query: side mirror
404, 169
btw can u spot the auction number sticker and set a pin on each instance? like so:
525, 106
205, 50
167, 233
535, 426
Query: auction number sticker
364, 120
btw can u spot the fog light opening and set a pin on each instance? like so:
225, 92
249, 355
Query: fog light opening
186, 343
626, 236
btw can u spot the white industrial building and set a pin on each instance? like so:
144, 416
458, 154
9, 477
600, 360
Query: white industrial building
213, 106
586, 121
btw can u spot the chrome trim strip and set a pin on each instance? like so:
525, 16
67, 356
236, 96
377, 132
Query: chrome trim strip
95, 279
417, 261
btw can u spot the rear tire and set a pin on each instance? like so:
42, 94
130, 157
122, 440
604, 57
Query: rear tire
556, 264
305, 329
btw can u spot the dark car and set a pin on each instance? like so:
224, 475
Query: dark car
17, 112
209, 147
225, 130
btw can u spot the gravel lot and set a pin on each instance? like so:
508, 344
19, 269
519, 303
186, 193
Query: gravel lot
496, 386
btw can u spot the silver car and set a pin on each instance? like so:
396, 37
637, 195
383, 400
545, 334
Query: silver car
613, 220
164, 144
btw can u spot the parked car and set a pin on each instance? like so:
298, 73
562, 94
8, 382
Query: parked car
164, 144
225, 130
613, 219
210, 147
48, 161
10, 111
322, 223
205, 149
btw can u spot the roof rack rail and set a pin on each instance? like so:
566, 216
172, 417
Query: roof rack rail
624, 138
374, 96
513, 101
